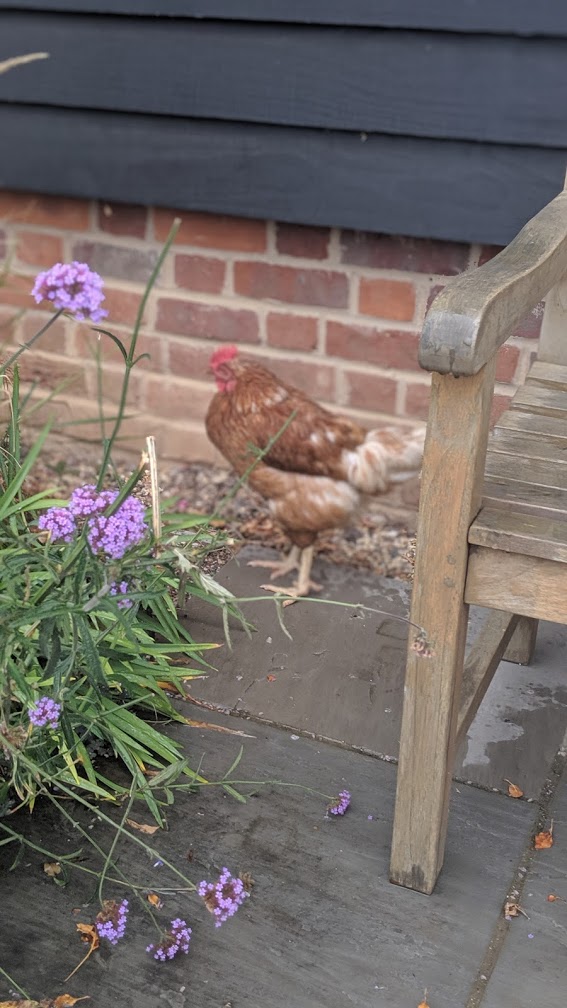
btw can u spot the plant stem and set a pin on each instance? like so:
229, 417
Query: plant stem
130, 359
14, 984
26, 346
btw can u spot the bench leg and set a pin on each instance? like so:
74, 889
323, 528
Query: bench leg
521, 647
450, 496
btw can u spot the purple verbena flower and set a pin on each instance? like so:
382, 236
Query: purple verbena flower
115, 534
45, 711
339, 805
175, 940
223, 897
59, 522
87, 500
121, 589
73, 287
111, 920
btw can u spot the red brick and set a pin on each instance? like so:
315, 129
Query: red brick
370, 391
506, 363
417, 255
292, 332
112, 385
204, 321
199, 273
85, 344
122, 307
388, 299
34, 248
54, 340
16, 290
131, 264
48, 372
317, 380
291, 284
177, 399
304, 242
530, 327
212, 230
189, 360
385, 347
2, 244
45, 211
417, 401
122, 219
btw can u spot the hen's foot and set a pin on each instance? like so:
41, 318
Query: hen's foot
279, 568
294, 591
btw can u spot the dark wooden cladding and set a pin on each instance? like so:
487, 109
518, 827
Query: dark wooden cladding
326, 78
521, 17
396, 185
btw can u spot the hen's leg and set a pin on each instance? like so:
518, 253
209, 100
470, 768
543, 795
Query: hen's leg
280, 567
304, 584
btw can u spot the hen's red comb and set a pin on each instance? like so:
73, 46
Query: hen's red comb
222, 355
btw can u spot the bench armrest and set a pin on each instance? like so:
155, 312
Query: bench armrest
478, 310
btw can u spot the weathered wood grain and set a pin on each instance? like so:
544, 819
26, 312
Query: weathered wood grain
516, 532
478, 310
526, 585
396, 185
536, 472
450, 497
522, 421
553, 337
537, 399
332, 75
522, 644
548, 502
481, 664
527, 445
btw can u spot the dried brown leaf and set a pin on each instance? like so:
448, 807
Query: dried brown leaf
512, 909
424, 1003
544, 840
271, 678
52, 868
552, 898
513, 790
155, 901
142, 827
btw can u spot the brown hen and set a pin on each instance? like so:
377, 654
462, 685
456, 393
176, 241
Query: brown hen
315, 464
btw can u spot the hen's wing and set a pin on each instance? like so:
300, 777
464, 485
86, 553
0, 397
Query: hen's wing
299, 435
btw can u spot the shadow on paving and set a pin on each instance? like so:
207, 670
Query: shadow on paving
323, 929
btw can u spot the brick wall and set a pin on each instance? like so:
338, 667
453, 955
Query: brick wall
337, 313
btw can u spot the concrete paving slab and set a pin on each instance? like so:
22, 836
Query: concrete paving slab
341, 676
324, 927
531, 971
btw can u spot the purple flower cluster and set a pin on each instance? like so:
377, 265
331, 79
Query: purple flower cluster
73, 287
111, 535
114, 535
223, 897
111, 921
340, 804
175, 940
121, 589
87, 500
59, 523
45, 712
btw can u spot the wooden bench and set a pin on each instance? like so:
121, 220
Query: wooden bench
492, 527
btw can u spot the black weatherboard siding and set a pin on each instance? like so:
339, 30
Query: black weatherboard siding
438, 120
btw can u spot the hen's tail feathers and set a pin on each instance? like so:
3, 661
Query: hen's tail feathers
386, 456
